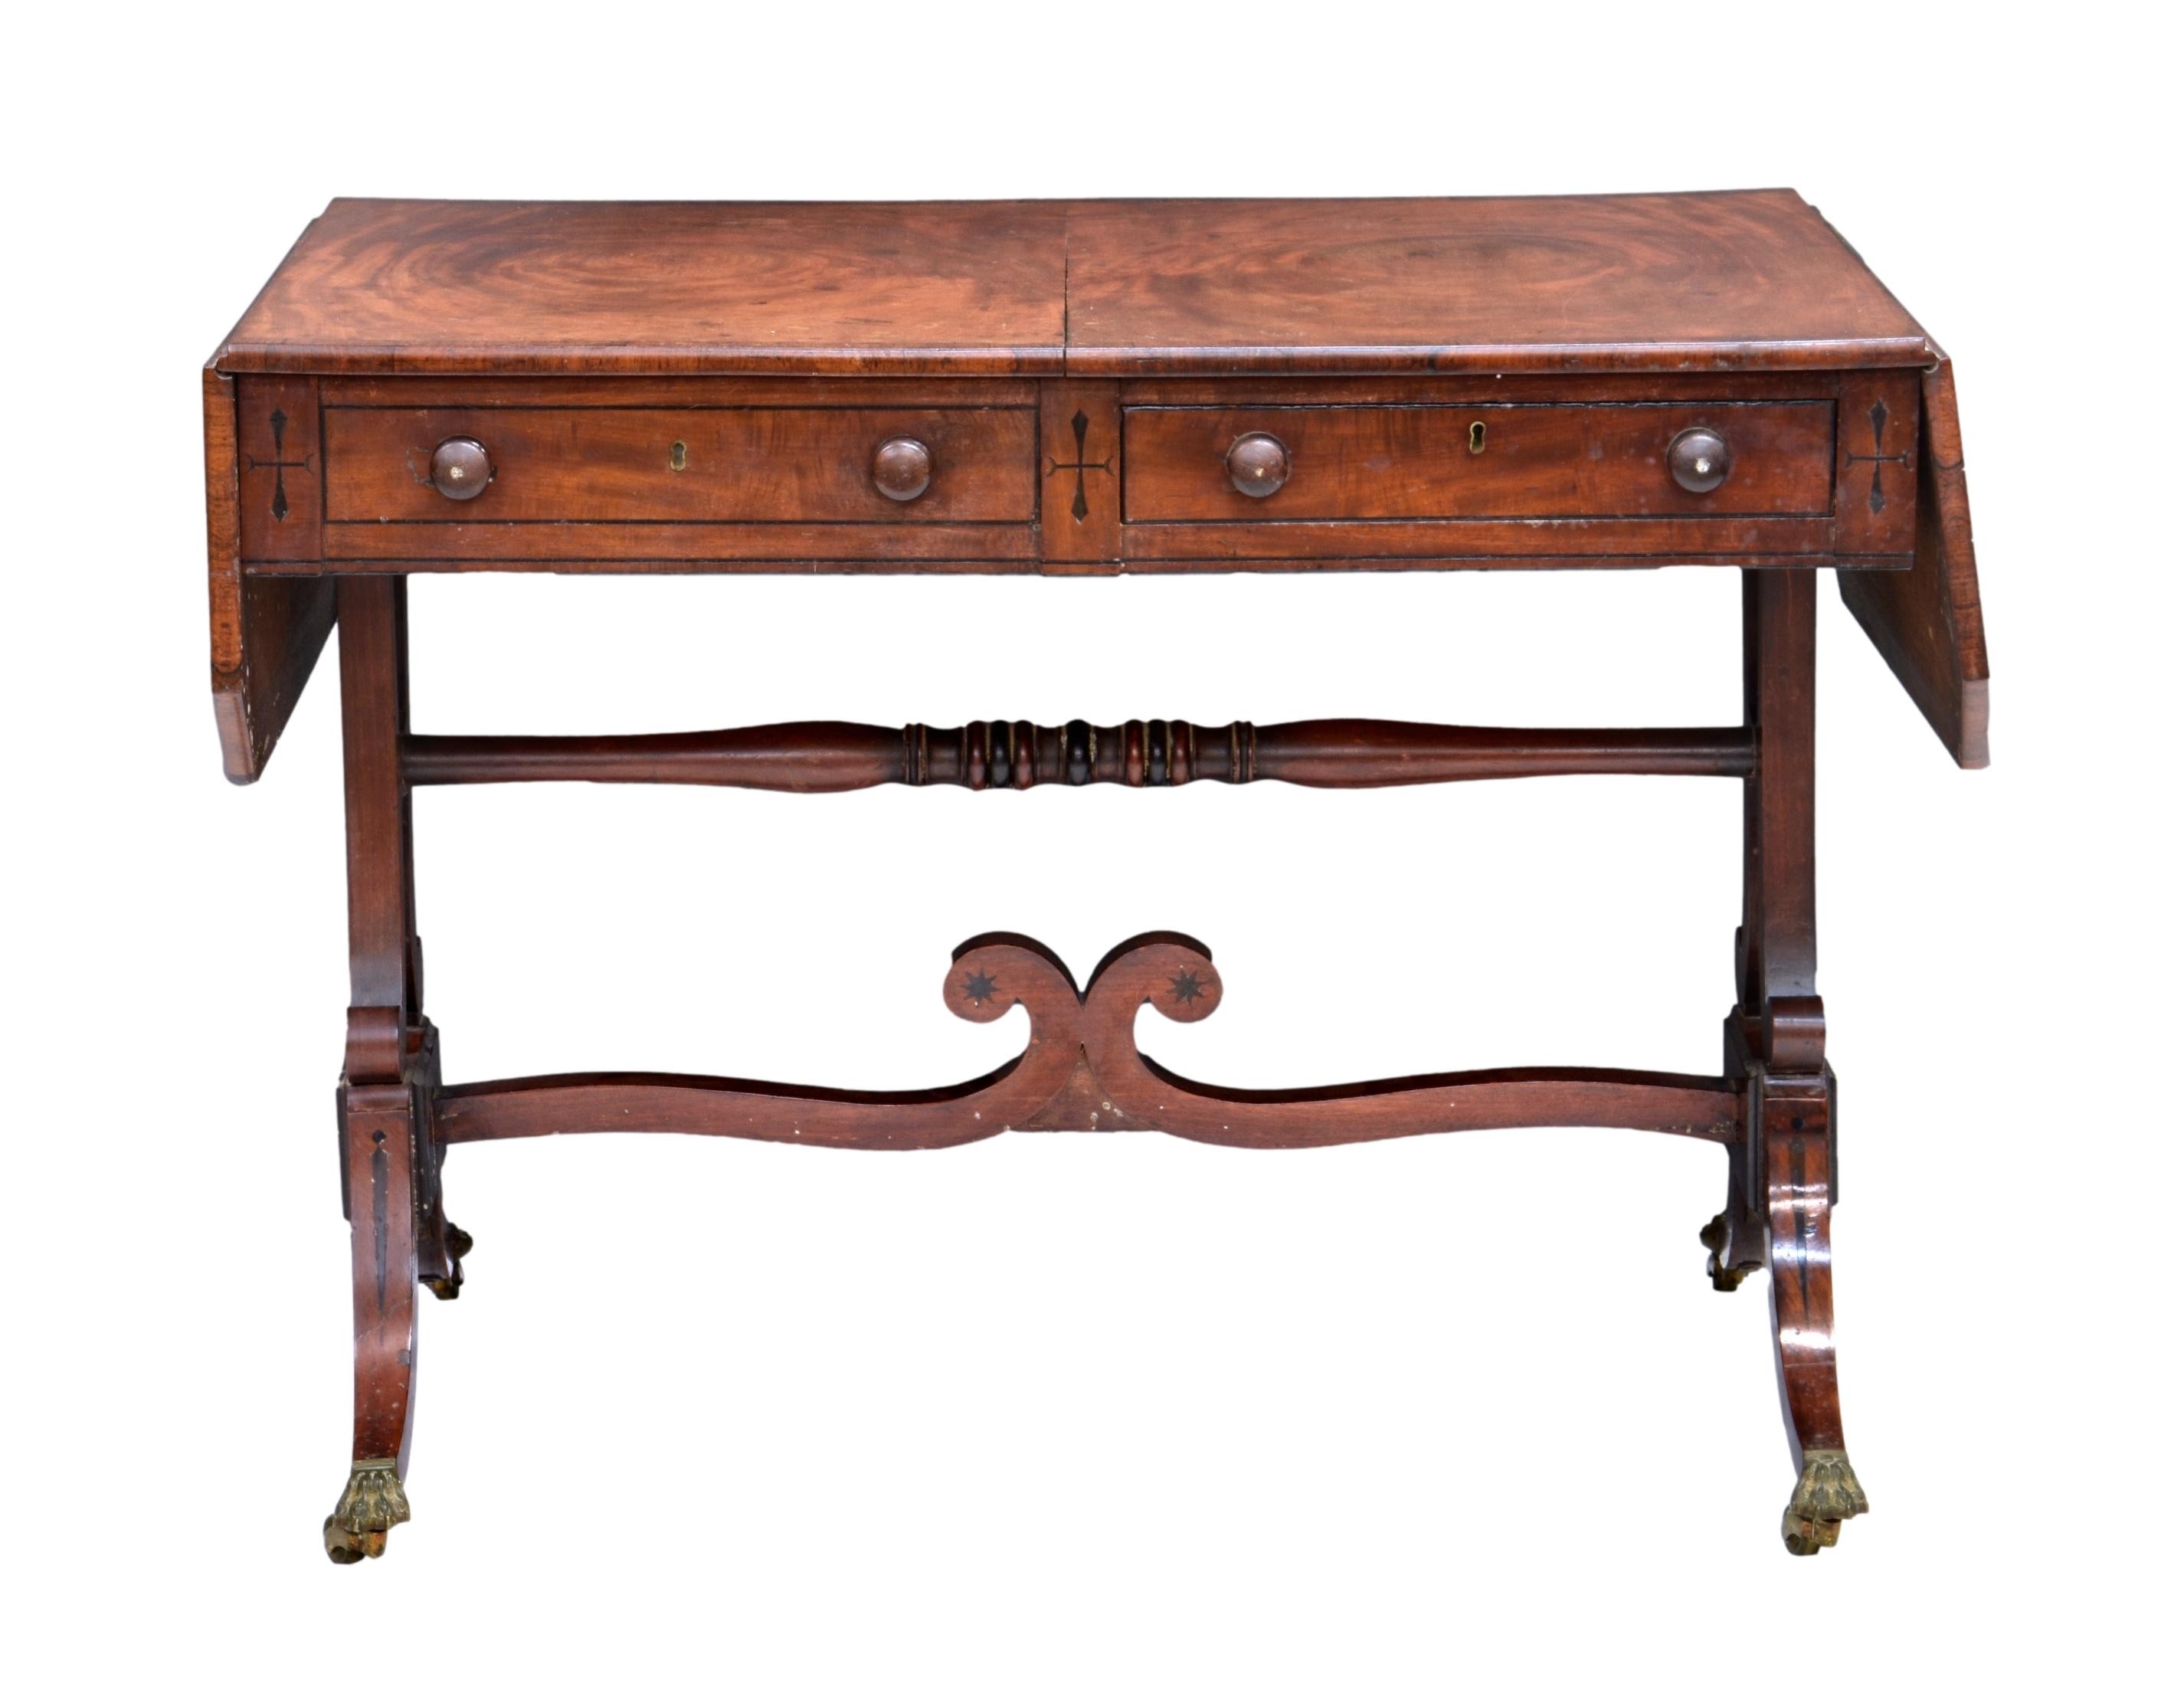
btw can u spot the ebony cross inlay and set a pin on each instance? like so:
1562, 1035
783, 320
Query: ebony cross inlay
1877, 501
279, 466
1078, 426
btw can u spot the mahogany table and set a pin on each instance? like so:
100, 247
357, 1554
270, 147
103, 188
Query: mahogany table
1091, 389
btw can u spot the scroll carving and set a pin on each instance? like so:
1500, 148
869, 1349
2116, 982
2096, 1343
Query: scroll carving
1081, 1070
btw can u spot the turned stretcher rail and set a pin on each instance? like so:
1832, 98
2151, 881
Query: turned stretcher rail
843, 756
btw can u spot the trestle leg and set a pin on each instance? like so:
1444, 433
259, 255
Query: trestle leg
1782, 1177
399, 1234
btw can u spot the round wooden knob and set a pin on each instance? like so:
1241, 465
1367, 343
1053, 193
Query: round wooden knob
1258, 464
460, 468
902, 468
1698, 458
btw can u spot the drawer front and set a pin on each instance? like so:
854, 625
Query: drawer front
1449, 462
599, 464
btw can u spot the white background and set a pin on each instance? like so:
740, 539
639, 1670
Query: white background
1066, 1410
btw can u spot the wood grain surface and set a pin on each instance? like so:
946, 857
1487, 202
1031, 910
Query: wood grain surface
1926, 621
266, 633
1076, 315
1642, 282
598, 464
1081, 1071
1390, 462
845, 756
449, 285
1748, 281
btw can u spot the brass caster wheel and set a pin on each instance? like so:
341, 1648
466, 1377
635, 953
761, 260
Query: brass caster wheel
449, 1286
1828, 1493
372, 1505
344, 1548
1715, 1236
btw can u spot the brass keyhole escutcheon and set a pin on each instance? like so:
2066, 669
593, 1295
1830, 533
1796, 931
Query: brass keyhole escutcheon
677, 457
1478, 438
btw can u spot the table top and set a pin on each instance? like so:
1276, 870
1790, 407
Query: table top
1640, 282
1059, 326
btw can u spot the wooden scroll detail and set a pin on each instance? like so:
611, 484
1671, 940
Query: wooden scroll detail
1926, 621
1795, 1147
1081, 1071
841, 756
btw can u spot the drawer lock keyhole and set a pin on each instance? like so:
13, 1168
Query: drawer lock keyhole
1478, 438
677, 457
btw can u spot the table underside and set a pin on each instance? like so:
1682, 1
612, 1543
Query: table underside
1771, 1107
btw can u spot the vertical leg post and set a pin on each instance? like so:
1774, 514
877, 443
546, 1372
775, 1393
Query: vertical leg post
389, 1163
1781, 1179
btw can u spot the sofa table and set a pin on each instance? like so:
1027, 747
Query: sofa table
1709, 379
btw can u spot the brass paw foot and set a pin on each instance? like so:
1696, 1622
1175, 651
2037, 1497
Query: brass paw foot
450, 1286
370, 1507
1715, 1236
1828, 1493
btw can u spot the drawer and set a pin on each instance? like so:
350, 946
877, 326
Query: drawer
755, 464
1449, 462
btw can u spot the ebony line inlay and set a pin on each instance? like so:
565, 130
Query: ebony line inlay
1078, 424
379, 1212
1877, 501
279, 465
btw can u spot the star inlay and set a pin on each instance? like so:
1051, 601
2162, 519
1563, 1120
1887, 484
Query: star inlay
1186, 986
980, 987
